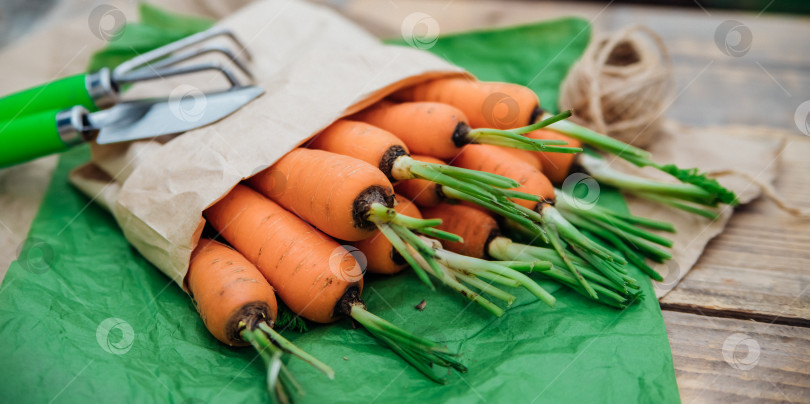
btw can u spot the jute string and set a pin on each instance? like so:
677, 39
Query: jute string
622, 85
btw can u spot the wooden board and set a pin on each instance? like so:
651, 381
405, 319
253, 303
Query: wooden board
759, 267
739, 361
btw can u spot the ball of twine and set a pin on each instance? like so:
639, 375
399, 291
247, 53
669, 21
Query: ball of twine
622, 85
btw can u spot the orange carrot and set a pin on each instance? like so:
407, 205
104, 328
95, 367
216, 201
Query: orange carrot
430, 128
314, 276
292, 255
486, 104
556, 166
495, 160
238, 306
479, 228
362, 141
328, 190
381, 256
440, 130
228, 290
529, 157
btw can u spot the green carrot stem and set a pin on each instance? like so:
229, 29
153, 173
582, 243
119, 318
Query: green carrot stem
611, 222
291, 386
602, 172
499, 279
547, 120
487, 288
470, 188
513, 138
475, 297
605, 268
379, 213
466, 174
527, 266
571, 235
598, 140
291, 348
509, 211
606, 232
567, 279
474, 265
557, 244
628, 252
503, 248
441, 234
449, 280
271, 355
679, 205
511, 193
507, 139
403, 250
425, 251
287, 387
643, 221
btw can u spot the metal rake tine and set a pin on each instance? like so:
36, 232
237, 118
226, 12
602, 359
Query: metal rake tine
149, 73
215, 48
136, 63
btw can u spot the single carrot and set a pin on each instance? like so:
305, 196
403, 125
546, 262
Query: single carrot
228, 290
330, 191
486, 104
315, 276
238, 306
347, 199
381, 256
440, 130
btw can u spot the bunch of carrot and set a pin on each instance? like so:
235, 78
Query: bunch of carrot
293, 226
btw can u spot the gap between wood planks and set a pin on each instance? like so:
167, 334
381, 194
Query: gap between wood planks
735, 314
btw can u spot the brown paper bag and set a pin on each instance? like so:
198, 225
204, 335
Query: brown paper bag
315, 67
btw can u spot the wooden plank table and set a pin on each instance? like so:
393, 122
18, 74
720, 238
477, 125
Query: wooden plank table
738, 322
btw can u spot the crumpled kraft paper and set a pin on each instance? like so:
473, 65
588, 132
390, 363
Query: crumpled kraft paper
745, 152
315, 67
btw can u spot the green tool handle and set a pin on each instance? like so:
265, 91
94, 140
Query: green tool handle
29, 137
56, 95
